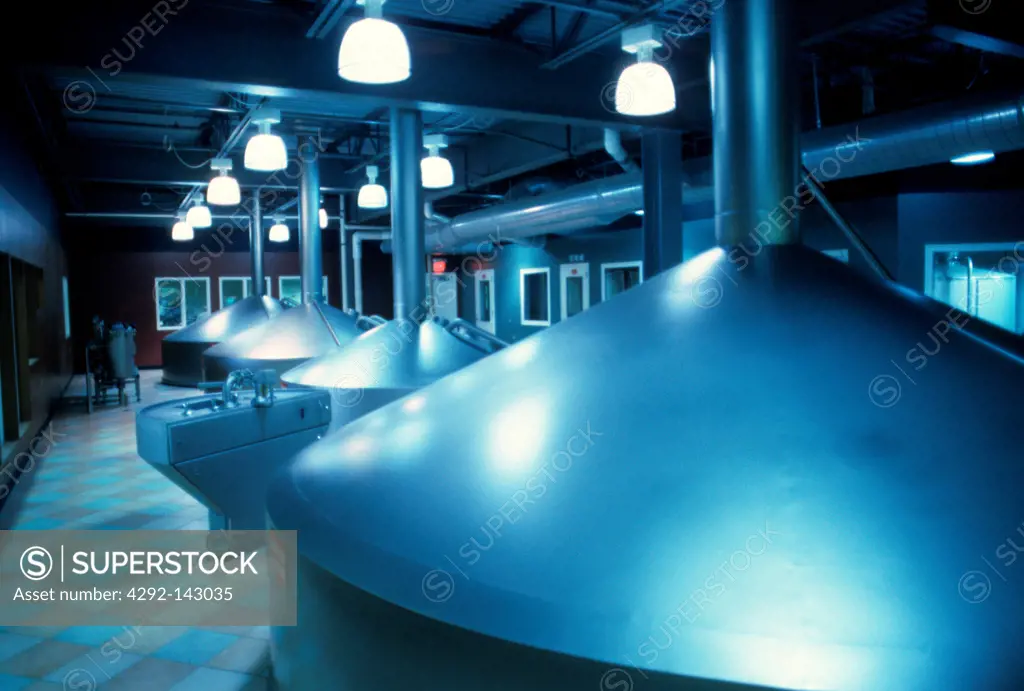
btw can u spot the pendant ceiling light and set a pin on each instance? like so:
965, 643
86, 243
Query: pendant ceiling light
223, 189
436, 170
199, 215
279, 231
374, 50
646, 87
372, 195
266, 151
182, 231
323, 217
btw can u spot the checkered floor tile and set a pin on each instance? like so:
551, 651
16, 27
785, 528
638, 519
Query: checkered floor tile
92, 479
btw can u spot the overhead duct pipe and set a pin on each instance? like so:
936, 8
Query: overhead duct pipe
924, 136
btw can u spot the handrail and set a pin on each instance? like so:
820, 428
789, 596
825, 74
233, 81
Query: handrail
473, 330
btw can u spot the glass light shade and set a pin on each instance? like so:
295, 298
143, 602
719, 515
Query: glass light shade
645, 88
199, 216
973, 159
266, 152
437, 172
373, 196
223, 191
182, 232
279, 233
374, 51
323, 219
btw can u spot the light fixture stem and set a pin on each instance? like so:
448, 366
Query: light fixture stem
374, 9
645, 53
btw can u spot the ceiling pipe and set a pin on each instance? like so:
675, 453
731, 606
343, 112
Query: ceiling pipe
613, 146
920, 137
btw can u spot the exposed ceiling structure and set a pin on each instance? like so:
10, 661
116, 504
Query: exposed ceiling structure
137, 99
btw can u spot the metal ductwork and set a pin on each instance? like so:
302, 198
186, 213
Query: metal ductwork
182, 351
575, 208
920, 137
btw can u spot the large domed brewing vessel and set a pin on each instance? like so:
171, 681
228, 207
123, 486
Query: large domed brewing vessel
759, 469
390, 362
411, 352
182, 351
302, 332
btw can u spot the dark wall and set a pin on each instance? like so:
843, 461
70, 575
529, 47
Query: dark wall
966, 217
119, 285
875, 218
29, 232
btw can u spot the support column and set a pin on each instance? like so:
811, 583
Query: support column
311, 257
407, 226
756, 119
259, 285
663, 201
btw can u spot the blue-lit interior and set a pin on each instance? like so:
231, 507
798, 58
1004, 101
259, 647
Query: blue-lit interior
525, 436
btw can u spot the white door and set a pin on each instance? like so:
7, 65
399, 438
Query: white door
444, 294
485, 300
575, 288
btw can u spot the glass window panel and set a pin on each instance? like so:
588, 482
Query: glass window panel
196, 304
169, 303
233, 290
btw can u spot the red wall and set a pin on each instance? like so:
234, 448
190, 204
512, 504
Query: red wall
118, 286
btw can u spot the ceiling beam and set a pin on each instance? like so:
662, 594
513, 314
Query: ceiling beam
148, 166
211, 47
980, 24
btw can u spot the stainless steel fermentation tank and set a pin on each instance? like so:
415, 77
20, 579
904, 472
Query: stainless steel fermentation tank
731, 476
182, 351
399, 357
391, 362
303, 332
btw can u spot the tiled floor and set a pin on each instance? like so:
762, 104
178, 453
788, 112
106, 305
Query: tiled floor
92, 479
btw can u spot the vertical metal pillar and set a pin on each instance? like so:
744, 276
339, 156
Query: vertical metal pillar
407, 223
259, 285
346, 302
756, 119
311, 257
663, 201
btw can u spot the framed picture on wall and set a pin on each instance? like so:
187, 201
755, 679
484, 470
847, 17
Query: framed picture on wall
180, 301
